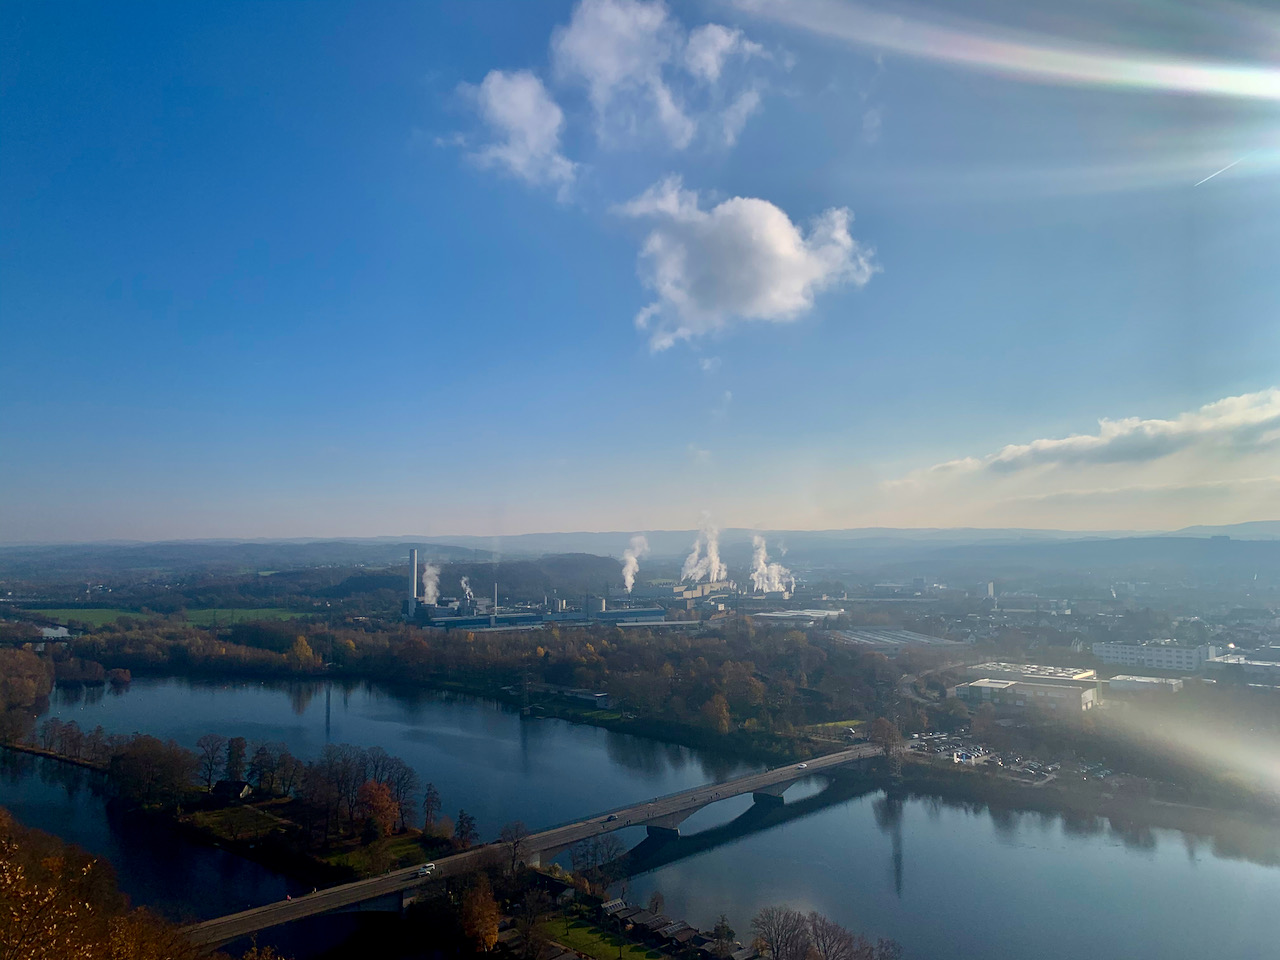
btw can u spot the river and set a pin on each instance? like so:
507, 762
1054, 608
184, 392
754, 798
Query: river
948, 881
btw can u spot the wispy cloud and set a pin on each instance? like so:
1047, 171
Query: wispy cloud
742, 260
1248, 421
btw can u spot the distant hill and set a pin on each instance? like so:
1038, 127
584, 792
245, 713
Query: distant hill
86, 561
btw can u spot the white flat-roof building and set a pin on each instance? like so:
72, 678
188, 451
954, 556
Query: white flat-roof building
1066, 699
1032, 672
1125, 683
1157, 655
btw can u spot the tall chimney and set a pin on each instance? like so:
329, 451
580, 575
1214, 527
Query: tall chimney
413, 574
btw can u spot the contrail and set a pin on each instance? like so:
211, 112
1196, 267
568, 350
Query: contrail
1223, 170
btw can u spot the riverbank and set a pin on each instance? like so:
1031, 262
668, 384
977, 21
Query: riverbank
50, 755
1084, 807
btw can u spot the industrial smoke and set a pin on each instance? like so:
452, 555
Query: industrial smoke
466, 588
631, 560
430, 583
699, 565
768, 577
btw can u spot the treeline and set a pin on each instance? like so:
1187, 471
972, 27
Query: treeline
25, 683
738, 677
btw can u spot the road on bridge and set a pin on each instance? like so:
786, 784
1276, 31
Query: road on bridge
234, 926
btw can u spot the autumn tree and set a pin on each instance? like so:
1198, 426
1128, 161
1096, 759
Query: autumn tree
716, 712
58, 903
378, 807
301, 656
480, 914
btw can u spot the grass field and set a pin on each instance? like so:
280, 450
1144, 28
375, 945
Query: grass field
239, 822
594, 942
203, 618
97, 616
835, 728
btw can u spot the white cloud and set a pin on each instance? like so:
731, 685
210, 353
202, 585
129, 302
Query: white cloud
742, 260
636, 61
617, 48
736, 115
1238, 424
709, 364
711, 45
526, 125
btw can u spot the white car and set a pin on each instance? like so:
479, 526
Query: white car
426, 870
802, 766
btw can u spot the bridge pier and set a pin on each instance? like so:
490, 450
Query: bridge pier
772, 794
668, 825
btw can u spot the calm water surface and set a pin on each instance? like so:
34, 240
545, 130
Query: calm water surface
946, 881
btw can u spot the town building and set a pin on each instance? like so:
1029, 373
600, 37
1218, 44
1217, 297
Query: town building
1157, 655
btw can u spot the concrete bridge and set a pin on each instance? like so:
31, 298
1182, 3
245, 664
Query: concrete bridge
661, 817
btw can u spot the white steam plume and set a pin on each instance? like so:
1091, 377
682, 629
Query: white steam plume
631, 560
768, 577
698, 566
466, 588
430, 583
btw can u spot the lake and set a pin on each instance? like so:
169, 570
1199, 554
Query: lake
948, 881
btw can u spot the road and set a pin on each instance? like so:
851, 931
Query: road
236, 925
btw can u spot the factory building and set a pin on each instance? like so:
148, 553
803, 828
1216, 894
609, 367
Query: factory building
1061, 699
1239, 667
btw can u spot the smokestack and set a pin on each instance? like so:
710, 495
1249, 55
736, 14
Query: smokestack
413, 574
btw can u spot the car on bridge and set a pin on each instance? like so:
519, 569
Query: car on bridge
426, 870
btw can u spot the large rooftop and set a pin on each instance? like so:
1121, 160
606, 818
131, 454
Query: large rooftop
1031, 671
884, 639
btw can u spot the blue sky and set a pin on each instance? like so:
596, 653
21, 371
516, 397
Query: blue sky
367, 269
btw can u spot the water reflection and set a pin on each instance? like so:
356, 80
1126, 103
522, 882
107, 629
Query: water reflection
888, 811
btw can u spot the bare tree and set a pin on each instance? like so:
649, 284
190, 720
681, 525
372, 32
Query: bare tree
657, 902
831, 941
402, 781
531, 923
211, 747
783, 931
514, 835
